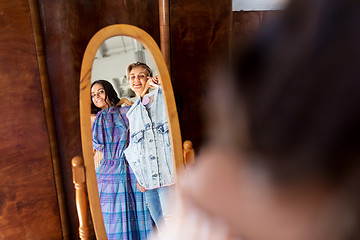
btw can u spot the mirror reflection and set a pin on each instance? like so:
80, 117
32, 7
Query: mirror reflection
131, 143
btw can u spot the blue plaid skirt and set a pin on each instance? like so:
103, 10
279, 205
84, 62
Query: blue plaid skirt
123, 206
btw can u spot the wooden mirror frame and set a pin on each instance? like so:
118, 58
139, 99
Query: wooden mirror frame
86, 136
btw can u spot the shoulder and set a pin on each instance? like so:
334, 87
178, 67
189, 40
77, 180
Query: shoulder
125, 109
98, 118
133, 107
105, 113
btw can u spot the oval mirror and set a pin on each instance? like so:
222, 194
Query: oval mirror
107, 57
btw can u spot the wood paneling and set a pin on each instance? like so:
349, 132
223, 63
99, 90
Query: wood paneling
199, 30
28, 202
246, 25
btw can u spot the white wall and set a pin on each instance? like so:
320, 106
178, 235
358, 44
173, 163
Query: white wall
258, 5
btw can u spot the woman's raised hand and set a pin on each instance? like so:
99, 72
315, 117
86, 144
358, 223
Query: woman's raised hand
154, 81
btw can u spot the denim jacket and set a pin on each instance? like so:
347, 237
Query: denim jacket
149, 152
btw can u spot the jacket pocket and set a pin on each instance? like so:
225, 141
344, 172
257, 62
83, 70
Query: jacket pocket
137, 142
163, 130
136, 137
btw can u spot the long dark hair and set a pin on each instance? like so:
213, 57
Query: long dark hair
110, 94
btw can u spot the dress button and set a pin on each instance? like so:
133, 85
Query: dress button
151, 140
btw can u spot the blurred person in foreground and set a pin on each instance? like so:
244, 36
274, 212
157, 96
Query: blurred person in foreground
282, 160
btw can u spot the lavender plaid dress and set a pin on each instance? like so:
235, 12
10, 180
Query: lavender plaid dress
122, 204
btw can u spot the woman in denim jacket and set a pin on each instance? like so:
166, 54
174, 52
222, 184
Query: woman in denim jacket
149, 152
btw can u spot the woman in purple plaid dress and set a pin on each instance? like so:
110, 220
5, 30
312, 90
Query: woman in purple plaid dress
123, 207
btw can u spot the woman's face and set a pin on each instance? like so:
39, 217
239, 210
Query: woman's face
137, 79
98, 96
